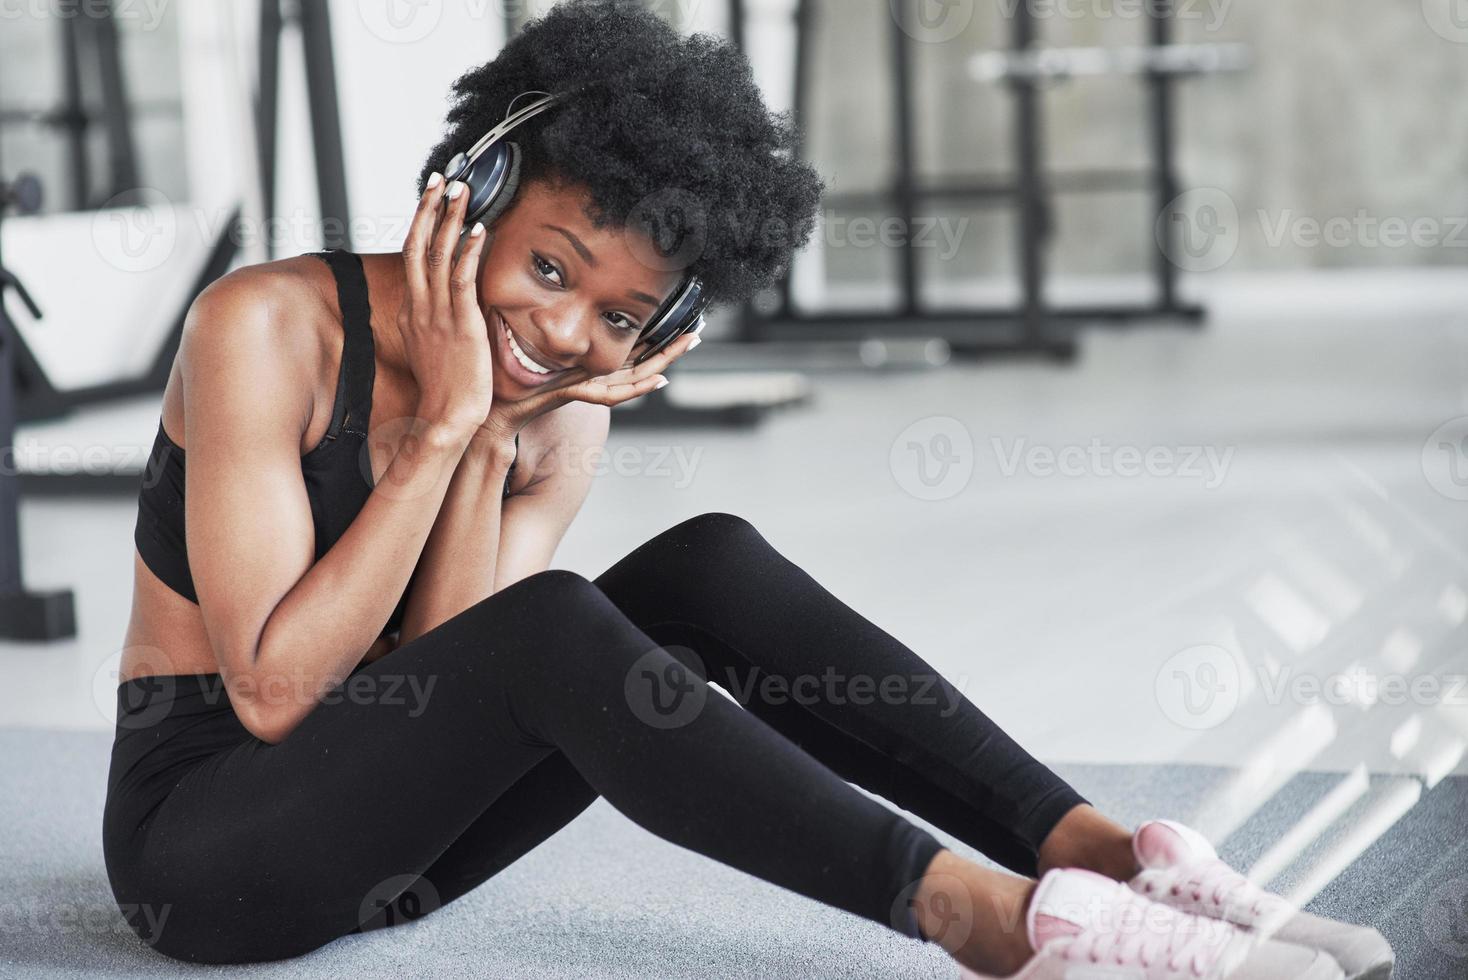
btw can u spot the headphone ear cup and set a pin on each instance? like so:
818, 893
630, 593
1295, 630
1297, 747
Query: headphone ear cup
501, 202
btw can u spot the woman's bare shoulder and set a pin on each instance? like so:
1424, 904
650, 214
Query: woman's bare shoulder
275, 317
271, 294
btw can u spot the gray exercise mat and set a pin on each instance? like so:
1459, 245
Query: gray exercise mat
605, 899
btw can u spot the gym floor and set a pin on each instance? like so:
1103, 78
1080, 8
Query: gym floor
1197, 640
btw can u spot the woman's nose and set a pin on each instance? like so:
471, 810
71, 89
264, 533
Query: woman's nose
564, 333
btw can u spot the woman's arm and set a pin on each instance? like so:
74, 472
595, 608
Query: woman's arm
457, 569
284, 630
537, 518
480, 544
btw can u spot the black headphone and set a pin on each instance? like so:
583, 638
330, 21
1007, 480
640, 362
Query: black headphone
491, 170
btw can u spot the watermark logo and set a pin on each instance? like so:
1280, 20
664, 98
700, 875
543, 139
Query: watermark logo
403, 436
1447, 18
1207, 464
932, 21
1445, 459
1199, 687
400, 21
396, 900
142, 15
1445, 918
933, 458
1363, 230
943, 910
142, 702
1198, 231
137, 230
667, 230
663, 691
1208, 14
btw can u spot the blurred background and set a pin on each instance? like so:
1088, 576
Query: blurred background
1125, 379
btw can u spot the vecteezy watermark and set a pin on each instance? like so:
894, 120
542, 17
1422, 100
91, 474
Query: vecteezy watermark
147, 13
835, 687
65, 918
1363, 230
147, 698
1209, 13
396, 900
932, 21
32, 456
1199, 230
655, 462
670, 229
933, 458
1447, 18
136, 230
940, 906
400, 21
1360, 687
407, 21
1445, 458
667, 687
140, 703
1208, 464
940, 232
1445, 918
1199, 687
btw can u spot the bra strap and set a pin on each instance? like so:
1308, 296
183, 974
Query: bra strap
352, 409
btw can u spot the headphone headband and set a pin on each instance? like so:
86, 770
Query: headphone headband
513, 119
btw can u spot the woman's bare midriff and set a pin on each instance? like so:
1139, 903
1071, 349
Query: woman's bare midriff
165, 631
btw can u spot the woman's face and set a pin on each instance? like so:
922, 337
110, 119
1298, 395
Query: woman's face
575, 297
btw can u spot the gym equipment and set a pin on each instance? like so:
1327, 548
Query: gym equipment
314, 21
24, 615
1064, 63
1034, 326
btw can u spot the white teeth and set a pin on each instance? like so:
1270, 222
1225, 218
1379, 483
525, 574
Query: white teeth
522, 357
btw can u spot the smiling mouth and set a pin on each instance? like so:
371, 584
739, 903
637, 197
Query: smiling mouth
524, 359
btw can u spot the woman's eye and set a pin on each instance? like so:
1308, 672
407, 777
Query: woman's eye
543, 267
626, 324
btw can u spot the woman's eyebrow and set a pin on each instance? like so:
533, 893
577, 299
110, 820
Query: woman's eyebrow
643, 298
581, 249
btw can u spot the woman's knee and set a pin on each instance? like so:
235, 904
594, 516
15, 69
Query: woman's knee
712, 533
565, 611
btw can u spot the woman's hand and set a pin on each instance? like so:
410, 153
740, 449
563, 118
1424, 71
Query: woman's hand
445, 338
626, 383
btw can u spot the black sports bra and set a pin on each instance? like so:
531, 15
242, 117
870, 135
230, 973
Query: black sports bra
333, 470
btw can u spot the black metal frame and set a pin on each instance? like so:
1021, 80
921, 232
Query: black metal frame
314, 22
1033, 325
91, 57
91, 61
24, 615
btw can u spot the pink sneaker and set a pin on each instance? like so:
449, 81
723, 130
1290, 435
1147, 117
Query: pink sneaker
1084, 926
1181, 869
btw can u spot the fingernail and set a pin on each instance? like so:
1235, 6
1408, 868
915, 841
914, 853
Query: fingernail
434, 179
477, 230
659, 384
455, 189
695, 341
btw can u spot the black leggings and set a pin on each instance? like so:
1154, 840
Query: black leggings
431, 769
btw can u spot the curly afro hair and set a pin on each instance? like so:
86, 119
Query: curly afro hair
664, 131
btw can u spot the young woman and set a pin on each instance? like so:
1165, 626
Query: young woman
352, 690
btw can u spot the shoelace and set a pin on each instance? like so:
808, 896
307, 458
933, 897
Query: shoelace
1179, 937
1225, 888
